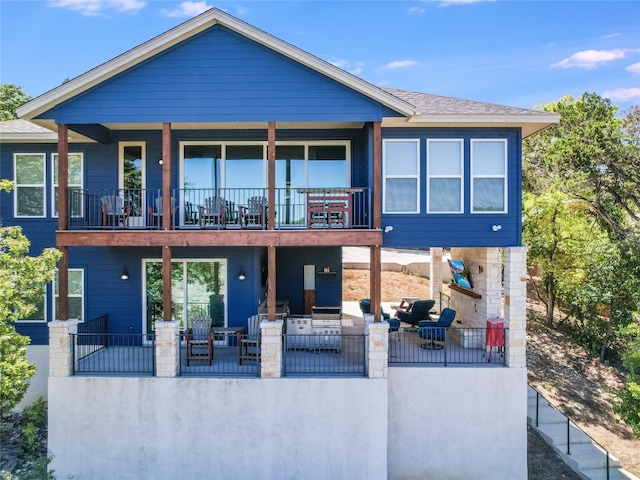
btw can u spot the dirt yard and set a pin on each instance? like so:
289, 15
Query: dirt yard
573, 381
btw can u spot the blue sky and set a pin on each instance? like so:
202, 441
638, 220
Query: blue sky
518, 53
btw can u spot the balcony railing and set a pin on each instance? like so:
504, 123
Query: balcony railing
222, 208
321, 354
459, 345
113, 353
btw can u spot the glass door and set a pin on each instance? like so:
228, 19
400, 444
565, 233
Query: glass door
132, 180
198, 287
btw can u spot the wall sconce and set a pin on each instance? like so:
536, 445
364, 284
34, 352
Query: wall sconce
495, 228
388, 228
125, 274
242, 276
160, 162
480, 269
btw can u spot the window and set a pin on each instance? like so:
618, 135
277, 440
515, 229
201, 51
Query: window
75, 182
327, 166
76, 294
401, 170
488, 176
445, 176
29, 193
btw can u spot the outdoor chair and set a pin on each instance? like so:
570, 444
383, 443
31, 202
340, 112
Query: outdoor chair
419, 311
394, 323
436, 331
254, 213
213, 212
199, 340
113, 211
249, 342
155, 214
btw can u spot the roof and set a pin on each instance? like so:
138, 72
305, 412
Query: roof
18, 131
417, 109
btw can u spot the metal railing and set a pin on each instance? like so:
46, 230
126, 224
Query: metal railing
98, 338
323, 355
225, 359
126, 353
192, 208
456, 345
569, 424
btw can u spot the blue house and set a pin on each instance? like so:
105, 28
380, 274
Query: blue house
216, 171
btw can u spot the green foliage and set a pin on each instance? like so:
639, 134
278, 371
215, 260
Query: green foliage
22, 280
11, 97
628, 404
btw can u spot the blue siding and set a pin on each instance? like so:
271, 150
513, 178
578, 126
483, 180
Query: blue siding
219, 76
465, 229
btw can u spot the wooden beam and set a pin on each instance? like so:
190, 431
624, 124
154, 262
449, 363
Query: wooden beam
218, 238
377, 176
63, 177
167, 314
63, 284
374, 282
271, 169
271, 284
166, 176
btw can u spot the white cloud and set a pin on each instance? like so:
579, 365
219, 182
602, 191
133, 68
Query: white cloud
634, 69
416, 11
187, 9
623, 95
400, 64
611, 35
94, 8
448, 3
590, 59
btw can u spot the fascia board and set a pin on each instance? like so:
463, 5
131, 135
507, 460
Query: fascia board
186, 30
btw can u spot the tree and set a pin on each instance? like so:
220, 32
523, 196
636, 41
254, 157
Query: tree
592, 156
628, 405
22, 281
11, 97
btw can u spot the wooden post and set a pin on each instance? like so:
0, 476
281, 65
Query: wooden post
271, 159
63, 177
166, 282
375, 251
63, 284
374, 282
271, 285
166, 177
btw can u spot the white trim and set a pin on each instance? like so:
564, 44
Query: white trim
385, 176
461, 177
54, 293
17, 185
54, 184
187, 30
44, 311
505, 176
134, 220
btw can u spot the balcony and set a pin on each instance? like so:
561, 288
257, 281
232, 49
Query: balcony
220, 209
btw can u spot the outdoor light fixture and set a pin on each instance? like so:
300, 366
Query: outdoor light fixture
242, 276
495, 228
125, 274
160, 162
388, 228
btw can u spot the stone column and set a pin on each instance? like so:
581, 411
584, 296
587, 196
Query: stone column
515, 305
167, 348
435, 276
61, 347
271, 348
377, 348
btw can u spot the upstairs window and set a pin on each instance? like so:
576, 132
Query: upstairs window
488, 176
75, 183
445, 173
401, 175
29, 192
76, 294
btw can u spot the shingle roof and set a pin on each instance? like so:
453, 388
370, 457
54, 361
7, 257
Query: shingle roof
22, 126
428, 104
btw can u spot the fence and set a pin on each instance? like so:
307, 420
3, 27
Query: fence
324, 355
452, 345
126, 353
225, 356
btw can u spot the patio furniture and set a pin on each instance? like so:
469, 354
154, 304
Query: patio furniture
249, 343
213, 212
419, 311
199, 340
436, 331
494, 336
113, 211
190, 214
365, 307
155, 213
254, 213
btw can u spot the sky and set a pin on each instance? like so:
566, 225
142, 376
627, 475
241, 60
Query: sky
510, 52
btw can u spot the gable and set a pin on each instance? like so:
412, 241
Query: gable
218, 76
